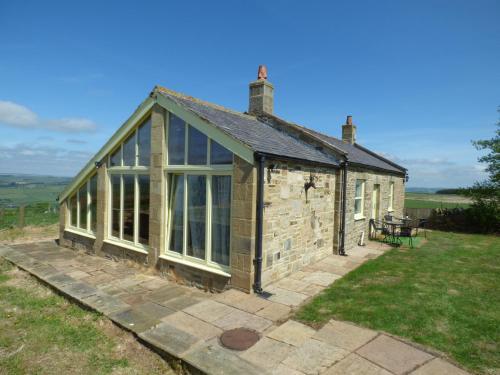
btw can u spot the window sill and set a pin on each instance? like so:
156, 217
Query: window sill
80, 232
128, 246
359, 217
390, 210
200, 266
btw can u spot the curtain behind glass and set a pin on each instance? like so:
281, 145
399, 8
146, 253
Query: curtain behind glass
221, 218
176, 213
196, 210
143, 209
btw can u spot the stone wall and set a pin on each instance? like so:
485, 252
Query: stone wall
355, 227
298, 225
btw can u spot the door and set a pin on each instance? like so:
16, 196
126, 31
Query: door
375, 201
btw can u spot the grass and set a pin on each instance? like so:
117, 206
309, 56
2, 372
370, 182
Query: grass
36, 214
443, 295
42, 333
427, 200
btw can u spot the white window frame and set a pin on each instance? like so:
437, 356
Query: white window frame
208, 171
122, 170
135, 244
359, 215
69, 227
391, 197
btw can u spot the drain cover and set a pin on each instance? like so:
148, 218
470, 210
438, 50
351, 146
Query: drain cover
239, 338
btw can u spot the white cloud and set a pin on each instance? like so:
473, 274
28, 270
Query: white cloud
19, 116
41, 159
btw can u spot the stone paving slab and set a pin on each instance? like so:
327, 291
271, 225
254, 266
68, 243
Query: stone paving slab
314, 356
293, 333
267, 353
185, 323
393, 355
438, 367
214, 359
171, 340
344, 335
356, 365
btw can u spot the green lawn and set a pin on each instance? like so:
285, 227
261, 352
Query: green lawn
444, 294
427, 200
36, 214
42, 333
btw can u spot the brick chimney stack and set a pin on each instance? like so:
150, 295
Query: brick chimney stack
261, 94
349, 131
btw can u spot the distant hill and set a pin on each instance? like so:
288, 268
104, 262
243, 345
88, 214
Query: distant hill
422, 190
19, 189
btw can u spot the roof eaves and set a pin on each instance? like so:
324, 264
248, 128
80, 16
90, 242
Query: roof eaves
403, 169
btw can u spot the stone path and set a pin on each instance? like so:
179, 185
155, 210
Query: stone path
185, 323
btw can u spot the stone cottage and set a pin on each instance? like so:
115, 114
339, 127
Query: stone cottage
217, 198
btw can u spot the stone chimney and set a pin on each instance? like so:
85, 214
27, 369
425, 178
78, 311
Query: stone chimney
349, 131
261, 94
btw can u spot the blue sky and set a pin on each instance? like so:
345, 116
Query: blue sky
421, 78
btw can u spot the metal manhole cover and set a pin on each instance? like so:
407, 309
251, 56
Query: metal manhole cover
239, 338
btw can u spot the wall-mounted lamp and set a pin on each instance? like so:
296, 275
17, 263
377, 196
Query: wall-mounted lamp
310, 184
98, 164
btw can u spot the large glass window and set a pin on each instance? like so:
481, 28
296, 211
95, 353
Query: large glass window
143, 184
129, 151
83, 206
176, 140
221, 218
176, 213
220, 154
73, 203
116, 205
359, 199
196, 220
144, 143
391, 196
93, 203
130, 207
197, 147
116, 158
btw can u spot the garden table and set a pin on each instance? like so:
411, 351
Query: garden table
393, 225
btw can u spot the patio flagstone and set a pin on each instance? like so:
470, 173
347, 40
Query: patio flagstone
393, 355
186, 323
356, 365
344, 335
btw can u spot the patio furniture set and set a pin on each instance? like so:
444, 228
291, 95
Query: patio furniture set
394, 229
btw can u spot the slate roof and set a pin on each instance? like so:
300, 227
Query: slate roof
359, 155
262, 137
259, 136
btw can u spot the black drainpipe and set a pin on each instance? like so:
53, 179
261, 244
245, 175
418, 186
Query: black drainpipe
257, 286
344, 204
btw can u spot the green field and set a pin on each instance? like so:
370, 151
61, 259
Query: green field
36, 214
430, 200
443, 295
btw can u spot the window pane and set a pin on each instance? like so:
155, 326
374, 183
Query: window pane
83, 206
196, 208
176, 134
93, 203
197, 147
74, 213
176, 213
129, 151
221, 218
144, 143
116, 158
128, 207
359, 188
357, 206
220, 154
115, 208
143, 209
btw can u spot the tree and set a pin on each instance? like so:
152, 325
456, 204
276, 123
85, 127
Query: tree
485, 211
